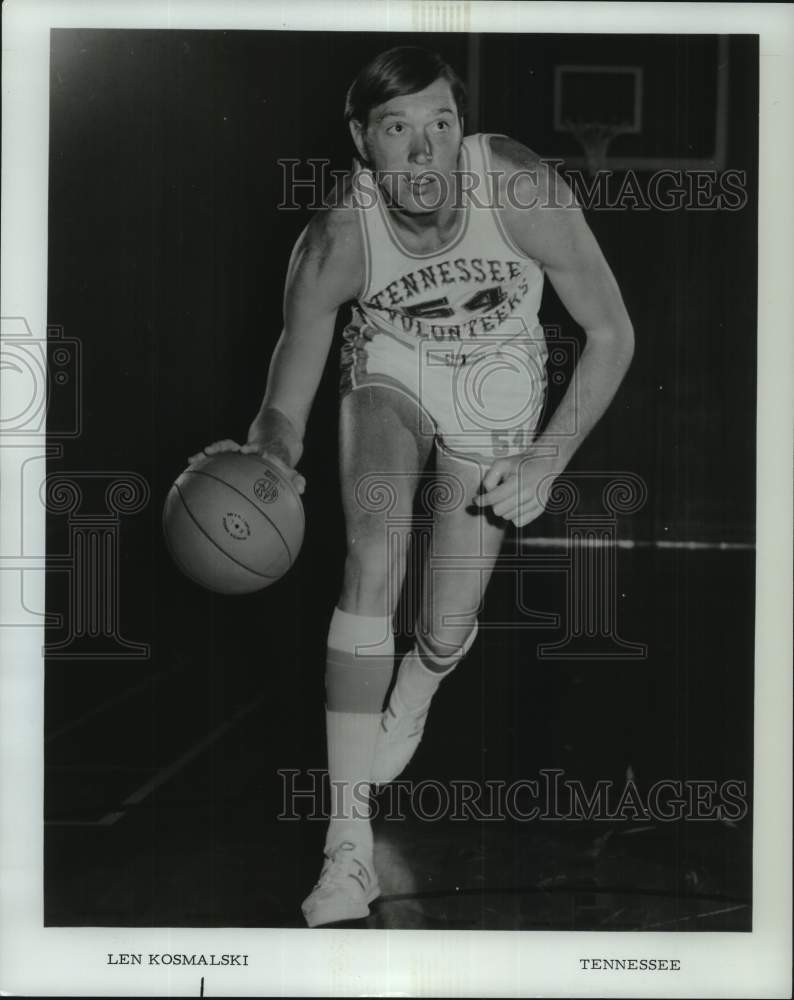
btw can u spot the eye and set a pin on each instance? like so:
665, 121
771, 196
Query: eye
395, 129
442, 126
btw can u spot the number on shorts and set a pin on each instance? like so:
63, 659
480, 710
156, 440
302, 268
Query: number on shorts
501, 440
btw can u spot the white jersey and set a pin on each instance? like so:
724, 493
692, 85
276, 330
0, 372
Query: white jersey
456, 329
476, 284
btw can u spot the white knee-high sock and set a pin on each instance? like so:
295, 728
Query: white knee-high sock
358, 671
421, 671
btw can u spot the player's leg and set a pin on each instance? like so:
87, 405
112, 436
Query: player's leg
382, 452
383, 447
466, 543
385, 442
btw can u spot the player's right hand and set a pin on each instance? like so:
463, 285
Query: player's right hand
292, 475
215, 449
227, 444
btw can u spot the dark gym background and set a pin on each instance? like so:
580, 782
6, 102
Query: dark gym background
167, 257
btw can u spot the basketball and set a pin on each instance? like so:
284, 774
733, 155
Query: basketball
233, 523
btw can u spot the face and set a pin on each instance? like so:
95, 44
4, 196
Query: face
413, 143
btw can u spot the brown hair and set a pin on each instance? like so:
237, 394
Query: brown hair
395, 73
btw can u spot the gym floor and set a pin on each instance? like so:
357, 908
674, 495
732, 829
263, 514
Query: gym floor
163, 786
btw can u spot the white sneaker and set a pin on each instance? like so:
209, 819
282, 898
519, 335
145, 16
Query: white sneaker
346, 887
399, 734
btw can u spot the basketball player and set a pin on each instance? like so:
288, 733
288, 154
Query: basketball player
441, 243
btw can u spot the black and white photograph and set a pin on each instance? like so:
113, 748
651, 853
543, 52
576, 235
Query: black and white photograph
397, 500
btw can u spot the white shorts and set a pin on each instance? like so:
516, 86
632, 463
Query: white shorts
483, 397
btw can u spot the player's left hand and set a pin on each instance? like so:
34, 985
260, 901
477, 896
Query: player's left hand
511, 487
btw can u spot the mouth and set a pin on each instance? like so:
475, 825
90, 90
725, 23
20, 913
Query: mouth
421, 183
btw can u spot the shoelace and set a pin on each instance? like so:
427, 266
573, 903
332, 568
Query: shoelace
337, 868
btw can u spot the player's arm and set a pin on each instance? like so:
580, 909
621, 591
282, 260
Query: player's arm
324, 272
543, 219
553, 230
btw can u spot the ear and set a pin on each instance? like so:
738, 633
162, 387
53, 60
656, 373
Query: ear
357, 133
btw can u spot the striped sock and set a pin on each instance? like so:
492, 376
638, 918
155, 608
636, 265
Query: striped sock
358, 672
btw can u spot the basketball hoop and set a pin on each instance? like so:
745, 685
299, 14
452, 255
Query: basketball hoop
595, 137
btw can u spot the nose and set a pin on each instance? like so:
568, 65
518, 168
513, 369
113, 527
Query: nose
421, 151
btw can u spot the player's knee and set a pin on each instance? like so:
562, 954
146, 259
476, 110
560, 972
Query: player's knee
368, 562
442, 641
372, 576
